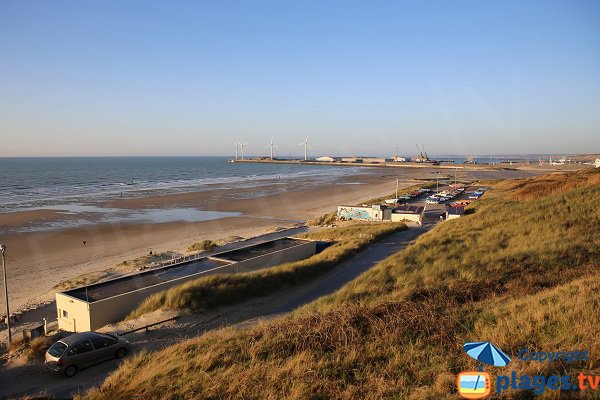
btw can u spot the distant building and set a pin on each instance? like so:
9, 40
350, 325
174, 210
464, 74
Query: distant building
351, 159
91, 307
454, 212
375, 212
408, 213
375, 160
327, 159
399, 159
597, 163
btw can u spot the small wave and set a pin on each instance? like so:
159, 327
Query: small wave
18, 198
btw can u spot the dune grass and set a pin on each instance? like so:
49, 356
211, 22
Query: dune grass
205, 245
325, 219
542, 242
223, 289
520, 272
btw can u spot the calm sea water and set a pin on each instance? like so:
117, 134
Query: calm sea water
40, 182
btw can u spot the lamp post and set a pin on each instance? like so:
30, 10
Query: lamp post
3, 249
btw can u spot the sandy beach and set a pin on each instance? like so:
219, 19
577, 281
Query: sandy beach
38, 260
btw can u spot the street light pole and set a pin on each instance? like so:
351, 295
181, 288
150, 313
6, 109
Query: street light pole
3, 249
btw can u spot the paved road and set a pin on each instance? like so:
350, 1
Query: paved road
352, 268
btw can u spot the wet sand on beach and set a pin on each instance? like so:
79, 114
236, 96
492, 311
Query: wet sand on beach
38, 260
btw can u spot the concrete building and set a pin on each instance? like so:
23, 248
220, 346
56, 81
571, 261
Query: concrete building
376, 160
94, 306
408, 213
375, 212
454, 212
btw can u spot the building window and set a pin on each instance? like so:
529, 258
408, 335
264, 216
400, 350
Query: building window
65, 314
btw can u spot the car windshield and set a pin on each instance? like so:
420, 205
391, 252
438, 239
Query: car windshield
57, 349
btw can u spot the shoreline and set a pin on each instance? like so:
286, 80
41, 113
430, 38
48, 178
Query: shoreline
37, 261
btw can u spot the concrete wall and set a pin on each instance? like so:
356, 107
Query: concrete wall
78, 318
113, 309
355, 213
92, 316
83, 316
295, 253
373, 213
406, 217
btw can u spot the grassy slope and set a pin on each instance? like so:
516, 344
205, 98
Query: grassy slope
516, 272
216, 290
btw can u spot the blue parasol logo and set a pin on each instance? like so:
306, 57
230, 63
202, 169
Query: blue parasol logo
487, 353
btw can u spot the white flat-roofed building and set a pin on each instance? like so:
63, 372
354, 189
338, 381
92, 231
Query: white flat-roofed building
408, 213
92, 307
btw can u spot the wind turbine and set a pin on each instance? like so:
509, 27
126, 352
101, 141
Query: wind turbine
306, 147
271, 145
236, 148
242, 148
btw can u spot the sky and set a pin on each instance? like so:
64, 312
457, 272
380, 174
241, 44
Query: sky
90, 78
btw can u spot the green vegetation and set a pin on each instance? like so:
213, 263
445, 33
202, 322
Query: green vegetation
326, 219
216, 290
205, 245
521, 271
34, 349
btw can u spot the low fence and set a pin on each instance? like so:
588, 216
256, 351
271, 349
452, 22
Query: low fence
146, 327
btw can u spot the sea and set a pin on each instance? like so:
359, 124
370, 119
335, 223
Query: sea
57, 182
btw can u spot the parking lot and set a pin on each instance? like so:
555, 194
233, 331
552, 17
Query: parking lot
433, 211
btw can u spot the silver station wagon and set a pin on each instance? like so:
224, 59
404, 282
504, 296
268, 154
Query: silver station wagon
81, 350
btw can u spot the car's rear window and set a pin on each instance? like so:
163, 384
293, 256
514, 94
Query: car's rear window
57, 349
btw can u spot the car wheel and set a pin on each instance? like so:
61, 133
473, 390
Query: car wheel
70, 371
121, 352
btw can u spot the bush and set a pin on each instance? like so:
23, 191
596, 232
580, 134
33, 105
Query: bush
205, 245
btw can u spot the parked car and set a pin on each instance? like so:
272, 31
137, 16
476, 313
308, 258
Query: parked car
81, 350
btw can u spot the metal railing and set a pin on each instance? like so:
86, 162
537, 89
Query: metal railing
146, 327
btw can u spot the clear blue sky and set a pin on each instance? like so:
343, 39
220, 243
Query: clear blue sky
187, 78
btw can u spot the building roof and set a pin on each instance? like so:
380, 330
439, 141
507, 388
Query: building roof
455, 210
246, 253
129, 283
408, 209
142, 280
